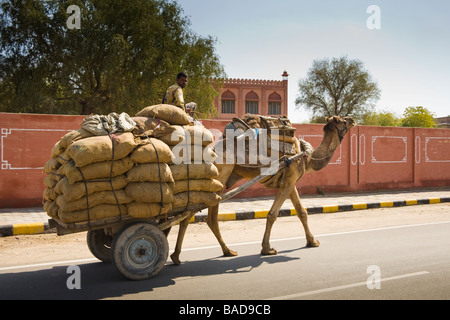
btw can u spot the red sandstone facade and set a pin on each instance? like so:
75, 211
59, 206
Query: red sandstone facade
242, 96
369, 158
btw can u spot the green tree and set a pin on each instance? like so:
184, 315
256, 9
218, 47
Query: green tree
201, 89
382, 119
418, 117
123, 58
337, 87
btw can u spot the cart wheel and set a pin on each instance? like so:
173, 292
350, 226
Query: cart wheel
99, 244
139, 251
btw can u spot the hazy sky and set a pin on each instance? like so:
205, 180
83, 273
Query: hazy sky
409, 56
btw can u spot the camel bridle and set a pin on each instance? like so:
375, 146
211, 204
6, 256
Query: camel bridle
341, 132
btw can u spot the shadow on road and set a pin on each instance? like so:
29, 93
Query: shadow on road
100, 280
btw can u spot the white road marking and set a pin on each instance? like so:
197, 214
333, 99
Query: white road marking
53, 263
72, 262
320, 235
347, 286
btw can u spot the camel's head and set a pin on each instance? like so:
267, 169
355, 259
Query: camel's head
340, 124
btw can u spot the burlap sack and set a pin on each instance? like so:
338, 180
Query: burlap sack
275, 143
149, 192
172, 114
196, 197
51, 208
103, 211
280, 137
51, 165
95, 199
57, 150
193, 154
77, 190
152, 127
49, 194
197, 135
150, 172
147, 210
113, 123
49, 182
283, 148
200, 131
147, 154
54, 175
207, 185
100, 148
96, 170
72, 136
63, 158
196, 171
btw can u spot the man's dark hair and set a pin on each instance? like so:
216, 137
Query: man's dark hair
181, 74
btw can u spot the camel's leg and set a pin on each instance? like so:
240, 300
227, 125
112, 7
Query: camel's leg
303, 216
225, 170
281, 196
213, 223
175, 256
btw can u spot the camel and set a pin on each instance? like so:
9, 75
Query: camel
334, 131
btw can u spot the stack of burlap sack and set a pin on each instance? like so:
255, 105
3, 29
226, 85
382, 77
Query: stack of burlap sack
140, 168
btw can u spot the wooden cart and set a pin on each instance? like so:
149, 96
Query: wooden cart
138, 247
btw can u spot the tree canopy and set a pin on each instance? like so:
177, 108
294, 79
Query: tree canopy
122, 58
382, 119
337, 87
418, 117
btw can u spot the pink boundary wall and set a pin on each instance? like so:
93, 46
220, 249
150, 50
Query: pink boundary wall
369, 158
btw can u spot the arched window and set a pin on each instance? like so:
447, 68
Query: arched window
228, 102
252, 103
275, 104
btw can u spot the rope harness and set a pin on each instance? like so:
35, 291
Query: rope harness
102, 180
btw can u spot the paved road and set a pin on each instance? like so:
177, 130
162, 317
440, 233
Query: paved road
38, 215
410, 257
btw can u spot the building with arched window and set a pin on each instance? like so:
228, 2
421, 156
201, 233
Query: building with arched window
252, 103
241, 96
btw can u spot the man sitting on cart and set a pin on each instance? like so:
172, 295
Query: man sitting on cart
174, 94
